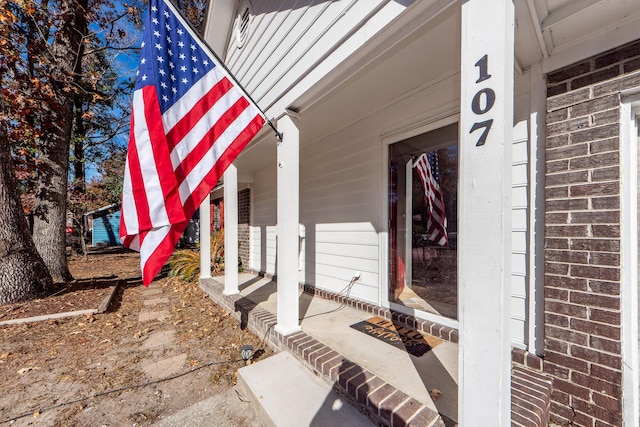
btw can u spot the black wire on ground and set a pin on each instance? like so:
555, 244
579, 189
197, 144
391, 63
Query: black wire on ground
342, 305
131, 387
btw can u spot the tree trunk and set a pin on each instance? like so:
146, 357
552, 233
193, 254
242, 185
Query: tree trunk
80, 131
51, 202
51, 189
79, 185
23, 274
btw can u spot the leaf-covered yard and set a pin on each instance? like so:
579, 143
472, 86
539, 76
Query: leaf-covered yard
51, 371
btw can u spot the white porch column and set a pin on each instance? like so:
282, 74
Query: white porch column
484, 230
287, 228
205, 239
231, 230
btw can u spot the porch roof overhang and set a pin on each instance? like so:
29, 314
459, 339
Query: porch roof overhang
555, 33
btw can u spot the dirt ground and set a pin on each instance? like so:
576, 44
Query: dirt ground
88, 370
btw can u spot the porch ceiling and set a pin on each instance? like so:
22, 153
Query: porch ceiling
554, 32
561, 32
422, 59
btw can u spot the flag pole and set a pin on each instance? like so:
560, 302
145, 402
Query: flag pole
224, 67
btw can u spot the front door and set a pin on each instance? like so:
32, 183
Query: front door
423, 181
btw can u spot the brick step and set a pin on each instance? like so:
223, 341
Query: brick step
380, 401
530, 398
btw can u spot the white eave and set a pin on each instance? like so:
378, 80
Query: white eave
563, 32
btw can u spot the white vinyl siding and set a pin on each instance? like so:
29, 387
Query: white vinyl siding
519, 235
340, 204
263, 225
287, 41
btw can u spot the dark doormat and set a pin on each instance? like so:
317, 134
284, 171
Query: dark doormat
411, 340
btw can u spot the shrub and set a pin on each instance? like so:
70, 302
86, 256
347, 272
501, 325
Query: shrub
185, 263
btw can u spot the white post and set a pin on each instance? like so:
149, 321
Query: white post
537, 133
629, 262
231, 231
484, 230
205, 238
287, 228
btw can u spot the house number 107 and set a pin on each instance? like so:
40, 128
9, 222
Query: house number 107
482, 101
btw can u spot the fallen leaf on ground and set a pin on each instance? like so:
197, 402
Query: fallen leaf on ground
434, 393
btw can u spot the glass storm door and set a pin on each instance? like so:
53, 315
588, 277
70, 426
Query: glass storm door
423, 191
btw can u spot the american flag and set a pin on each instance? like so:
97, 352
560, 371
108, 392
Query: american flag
189, 121
427, 168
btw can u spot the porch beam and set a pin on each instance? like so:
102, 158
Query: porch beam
288, 216
484, 230
205, 240
537, 27
231, 230
567, 11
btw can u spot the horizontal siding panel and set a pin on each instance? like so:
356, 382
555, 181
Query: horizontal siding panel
353, 182
520, 196
264, 40
519, 263
260, 261
356, 252
335, 23
521, 130
367, 239
518, 332
518, 285
519, 241
351, 32
309, 27
519, 220
520, 174
341, 276
520, 151
350, 227
348, 202
518, 308
354, 264
300, 30
351, 154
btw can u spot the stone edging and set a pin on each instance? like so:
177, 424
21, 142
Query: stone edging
101, 309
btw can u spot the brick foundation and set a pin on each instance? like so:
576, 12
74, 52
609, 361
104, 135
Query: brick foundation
582, 237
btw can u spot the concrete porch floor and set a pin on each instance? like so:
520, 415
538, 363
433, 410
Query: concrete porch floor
431, 379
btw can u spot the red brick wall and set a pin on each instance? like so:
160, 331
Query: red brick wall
582, 237
244, 215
